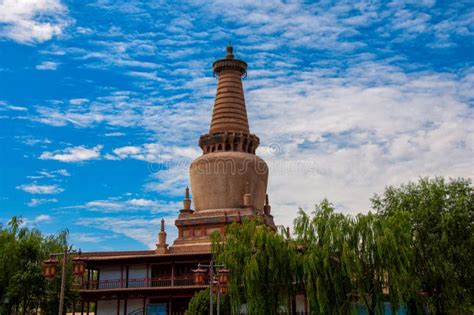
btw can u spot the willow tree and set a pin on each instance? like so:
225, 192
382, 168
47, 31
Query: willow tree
380, 260
441, 222
323, 240
261, 261
348, 261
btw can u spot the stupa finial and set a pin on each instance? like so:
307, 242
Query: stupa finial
230, 51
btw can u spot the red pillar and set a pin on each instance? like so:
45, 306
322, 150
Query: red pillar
121, 275
172, 273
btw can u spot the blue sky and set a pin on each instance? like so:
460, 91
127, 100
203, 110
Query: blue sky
102, 104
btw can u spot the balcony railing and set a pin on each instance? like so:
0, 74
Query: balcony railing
177, 281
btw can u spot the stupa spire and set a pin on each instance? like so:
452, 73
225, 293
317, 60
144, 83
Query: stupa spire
229, 112
229, 130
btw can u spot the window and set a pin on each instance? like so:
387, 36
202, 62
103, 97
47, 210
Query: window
160, 270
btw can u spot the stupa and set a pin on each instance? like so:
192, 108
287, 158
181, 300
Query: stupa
228, 181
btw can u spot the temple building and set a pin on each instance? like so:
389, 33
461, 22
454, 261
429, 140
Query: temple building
228, 183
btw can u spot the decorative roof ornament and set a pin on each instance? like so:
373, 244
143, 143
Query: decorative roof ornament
162, 247
186, 200
267, 208
162, 229
230, 51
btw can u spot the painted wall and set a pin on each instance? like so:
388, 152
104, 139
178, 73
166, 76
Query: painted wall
109, 273
136, 274
107, 307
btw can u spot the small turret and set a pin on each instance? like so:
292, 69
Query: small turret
162, 247
267, 208
186, 204
186, 200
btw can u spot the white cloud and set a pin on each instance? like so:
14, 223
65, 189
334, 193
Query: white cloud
167, 164
47, 65
89, 237
63, 172
29, 140
155, 153
40, 189
118, 204
34, 202
141, 229
104, 205
142, 203
74, 154
43, 218
78, 101
84, 30
126, 151
17, 108
115, 134
171, 180
49, 174
32, 21
146, 75
5, 106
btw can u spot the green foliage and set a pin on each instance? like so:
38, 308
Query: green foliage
22, 252
199, 304
345, 260
261, 262
416, 250
441, 219
381, 262
323, 242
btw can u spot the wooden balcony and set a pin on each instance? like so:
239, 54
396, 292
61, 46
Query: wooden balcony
159, 282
